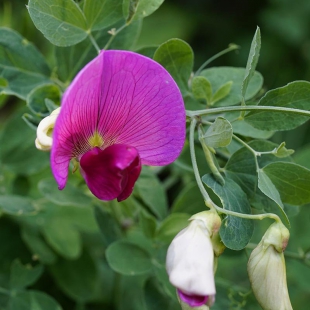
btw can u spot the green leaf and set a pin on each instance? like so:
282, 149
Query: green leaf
70, 60
61, 22
31, 121
128, 259
189, 200
281, 151
171, 226
19, 77
50, 105
147, 223
102, 13
202, 89
34, 300
154, 296
36, 98
293, 95
17, 151
24, 275
17, 205
243, 128
235, 232
138, 9
222, 92
63, 238
242, 169
152, 193
110, 231
221, 75
78, 278
38, 246
178, 58
219, 134
291, 180
252, 61
147, 51
268, 188
302, 156
70, 196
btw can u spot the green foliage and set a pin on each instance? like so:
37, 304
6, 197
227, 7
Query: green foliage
102, 14
19, 77
177, 57
117, 256
235, 232
36, 98
220, 76
252, 61
219, 134
293, 95
90, 254
62, 22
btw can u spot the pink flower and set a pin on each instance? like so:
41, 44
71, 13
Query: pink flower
121, 111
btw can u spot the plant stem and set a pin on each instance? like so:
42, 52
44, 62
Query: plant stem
246, 108
93, 41
232, 47
250, 149
209, 203
114, 33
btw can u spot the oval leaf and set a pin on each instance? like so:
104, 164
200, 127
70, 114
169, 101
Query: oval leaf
61, 22
103, 13
19, 77
221, 75
70, 196
178, 58
128, 259
24, 275
291, 180
219, 134
235, 232
36, 98
171, 226
202, 89
17, 205
294, 95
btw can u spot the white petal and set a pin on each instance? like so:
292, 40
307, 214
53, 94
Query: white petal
190, 260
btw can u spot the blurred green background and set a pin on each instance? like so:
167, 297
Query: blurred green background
209, 26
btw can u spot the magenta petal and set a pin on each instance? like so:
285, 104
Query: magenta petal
127, 99
111, 173
193, 300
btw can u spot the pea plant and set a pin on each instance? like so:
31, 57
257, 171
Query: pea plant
129, 180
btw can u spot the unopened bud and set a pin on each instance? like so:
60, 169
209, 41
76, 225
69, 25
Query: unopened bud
190, 260
267, 272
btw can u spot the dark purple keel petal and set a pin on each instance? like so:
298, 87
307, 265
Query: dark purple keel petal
193, 300
111, 173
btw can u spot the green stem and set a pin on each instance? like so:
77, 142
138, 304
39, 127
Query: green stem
209, 203
204, 193
246, 108
232, 47
250, 149
209, 158
93, 41
114, 33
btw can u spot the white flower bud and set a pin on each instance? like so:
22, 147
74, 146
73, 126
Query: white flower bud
266, 268
44, 131
190, 260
